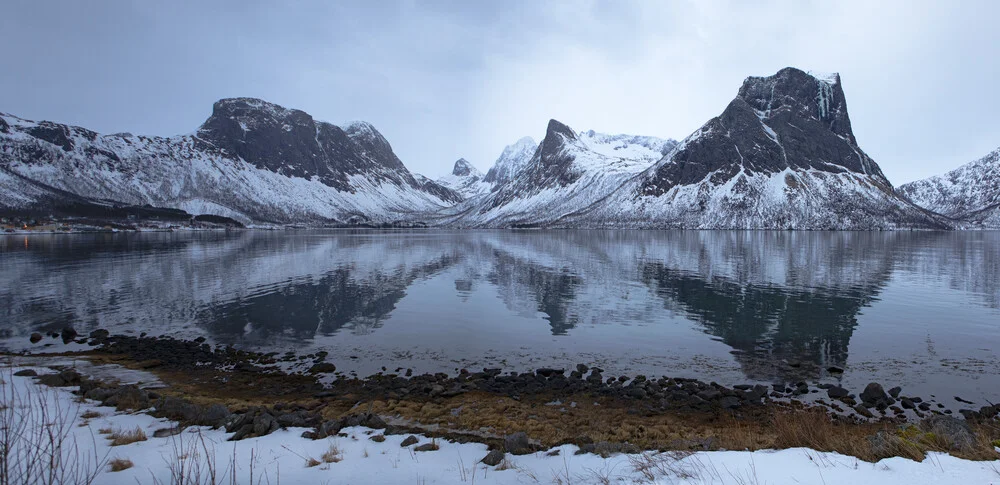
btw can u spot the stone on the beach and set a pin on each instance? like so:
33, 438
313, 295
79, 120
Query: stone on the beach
874, 395
837, 392
410, 440
322, 368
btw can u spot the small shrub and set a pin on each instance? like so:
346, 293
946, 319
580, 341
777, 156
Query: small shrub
119, 464
125, 437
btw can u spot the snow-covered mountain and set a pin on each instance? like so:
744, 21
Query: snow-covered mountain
251, 160
568, 170
465, 179
782, 155
970, 193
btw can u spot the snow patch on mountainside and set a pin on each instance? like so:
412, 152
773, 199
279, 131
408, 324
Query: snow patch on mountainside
636, 151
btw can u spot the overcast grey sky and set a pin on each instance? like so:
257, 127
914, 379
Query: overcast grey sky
443, 80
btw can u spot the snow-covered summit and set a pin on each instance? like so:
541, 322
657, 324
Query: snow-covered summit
465, 179
513, 158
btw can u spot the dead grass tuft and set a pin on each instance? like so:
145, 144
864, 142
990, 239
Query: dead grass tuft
311, 462
119, 464
332, 455
91, 415
125, 437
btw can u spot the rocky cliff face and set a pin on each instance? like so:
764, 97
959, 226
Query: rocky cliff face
251, 160
791, 120
970, 193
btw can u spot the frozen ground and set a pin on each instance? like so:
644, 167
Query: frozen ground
199, 453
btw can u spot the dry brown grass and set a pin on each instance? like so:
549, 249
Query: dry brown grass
125, 437
119, 464
612, 420
105, 431
91, 415
332, 455
311, 462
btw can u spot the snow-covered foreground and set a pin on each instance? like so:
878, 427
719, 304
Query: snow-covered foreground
355, 459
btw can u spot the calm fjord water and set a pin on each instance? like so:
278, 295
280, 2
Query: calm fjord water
920, 309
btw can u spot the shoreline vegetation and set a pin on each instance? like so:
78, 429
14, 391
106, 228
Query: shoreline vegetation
248, 395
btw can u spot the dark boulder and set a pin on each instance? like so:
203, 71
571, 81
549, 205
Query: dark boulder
26, 373
518, 444
956, 432
493, 458
874, 396
837, 392
35, 338
547, 372
68, 334
322, 368
410, 440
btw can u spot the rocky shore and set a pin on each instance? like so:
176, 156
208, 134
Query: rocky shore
252, 395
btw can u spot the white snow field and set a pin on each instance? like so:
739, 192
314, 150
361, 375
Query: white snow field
43, 425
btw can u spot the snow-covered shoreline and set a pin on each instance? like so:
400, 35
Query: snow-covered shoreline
353, 457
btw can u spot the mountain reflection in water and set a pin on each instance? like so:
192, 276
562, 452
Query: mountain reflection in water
782, 303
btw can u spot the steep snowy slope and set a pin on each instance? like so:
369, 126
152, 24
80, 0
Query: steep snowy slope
511, 161
466, 180
251, 160
970, 193
782, 155
566, 172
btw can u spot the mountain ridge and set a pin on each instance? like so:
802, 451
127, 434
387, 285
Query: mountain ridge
970, 192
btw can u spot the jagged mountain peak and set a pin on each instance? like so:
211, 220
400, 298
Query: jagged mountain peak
820, 96
790, 120
463, 168
557, 128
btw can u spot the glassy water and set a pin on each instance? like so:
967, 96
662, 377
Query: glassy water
919, 309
